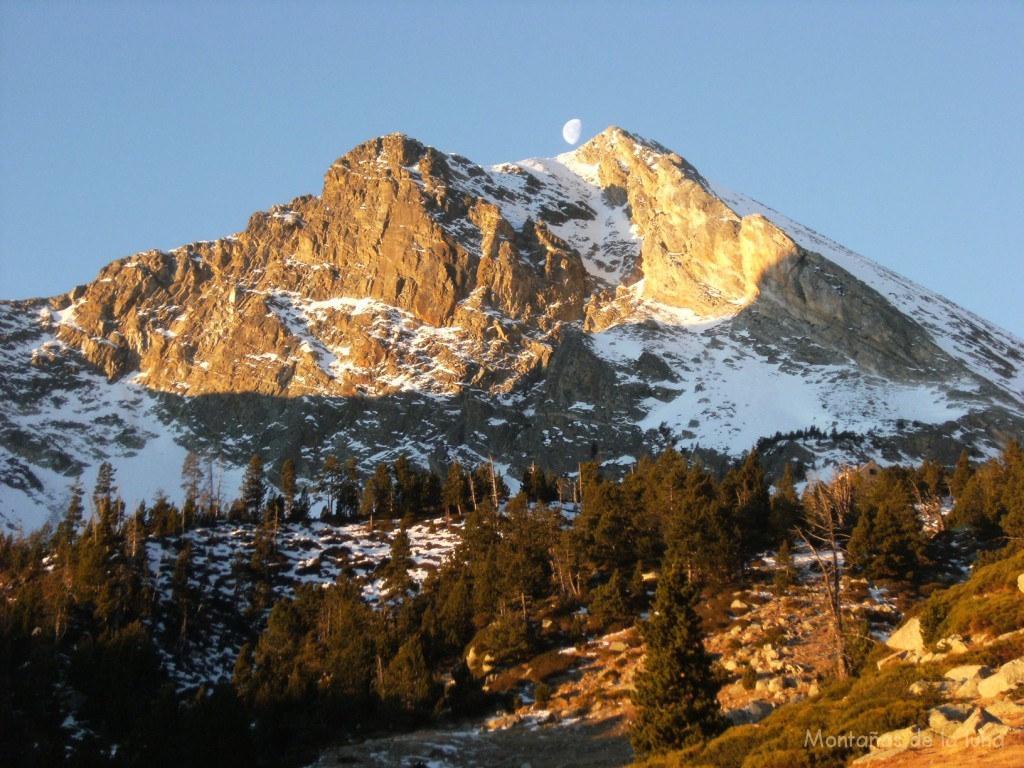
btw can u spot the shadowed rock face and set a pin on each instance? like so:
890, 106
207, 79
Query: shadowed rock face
595, 305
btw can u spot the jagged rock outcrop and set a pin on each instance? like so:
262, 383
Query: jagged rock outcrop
596, 305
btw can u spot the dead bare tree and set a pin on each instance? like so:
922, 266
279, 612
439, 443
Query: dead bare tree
929, 507
828, 510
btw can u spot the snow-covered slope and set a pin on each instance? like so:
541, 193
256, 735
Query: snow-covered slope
307, 553
979, 344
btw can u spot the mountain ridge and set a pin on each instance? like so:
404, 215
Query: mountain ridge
599, 304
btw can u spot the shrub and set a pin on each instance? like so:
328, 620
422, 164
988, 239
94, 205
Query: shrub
932, 616
749, 678
542, 694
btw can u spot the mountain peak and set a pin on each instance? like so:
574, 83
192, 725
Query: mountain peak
469, 310
618, 146
613, 135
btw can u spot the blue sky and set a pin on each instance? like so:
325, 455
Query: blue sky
894, 128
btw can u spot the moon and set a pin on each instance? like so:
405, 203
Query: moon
571, 130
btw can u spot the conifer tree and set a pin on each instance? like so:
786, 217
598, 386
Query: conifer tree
289, 488
107, 506
961, 475
785, 572
407, 488
745, 491
163, 516
192, 477
676, 690
704, 535
1013, 494
347, 501
448, 622
887, 541
828, 508
608, 602
407, 683
378, 496
328, 482
785, 506
455, 492
254, 487
68, 528
181, 591
522, 552
397, 580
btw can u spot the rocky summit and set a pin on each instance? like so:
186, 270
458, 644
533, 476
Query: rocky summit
594, 306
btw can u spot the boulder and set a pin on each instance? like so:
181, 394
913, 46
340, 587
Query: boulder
973, 724
1008, 676
968, 672
1020, 582
1007, 710
738, 605
1013, 671
893, 658
907, 638
922, 687
503, 722
993, 686
965, 679
946, 720
754, 712
952, 644
967, 690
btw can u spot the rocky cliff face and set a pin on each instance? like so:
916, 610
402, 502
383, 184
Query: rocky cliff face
598, 304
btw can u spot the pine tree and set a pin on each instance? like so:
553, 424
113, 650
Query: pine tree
254, 487
378, 496
407, 683
887, 541
448, 622
539, 486
828, 509
608, 602
407, 489
704, 535
785, 506
397, 580
181, 591
745, 491
785, 572
961, 475
676, 690
67, 530
347, 501
289, 488
328, 483
163, 516
107, 506
1013, 494
455, 491
192, 477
